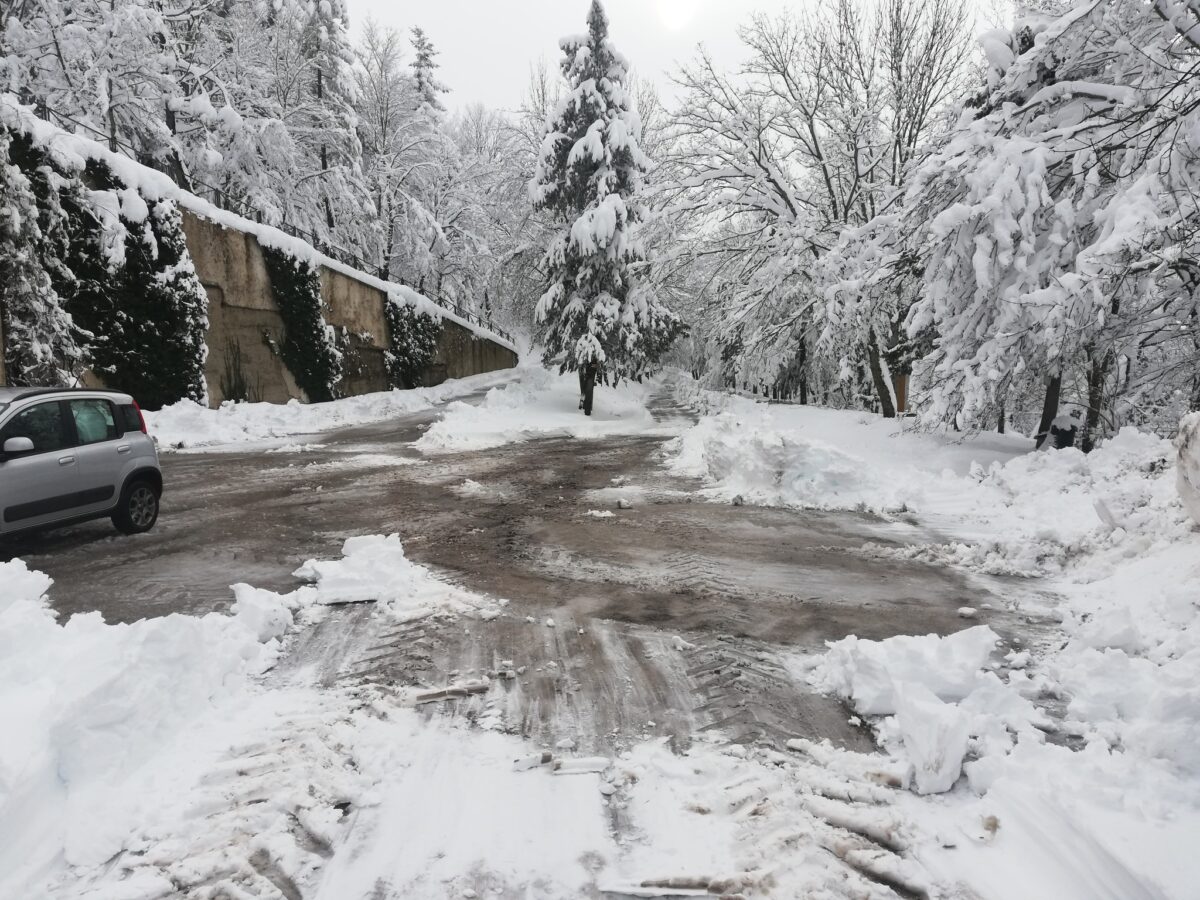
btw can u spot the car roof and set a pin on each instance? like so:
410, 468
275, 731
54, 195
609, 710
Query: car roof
12, 394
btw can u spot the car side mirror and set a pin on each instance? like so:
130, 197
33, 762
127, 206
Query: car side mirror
15, 446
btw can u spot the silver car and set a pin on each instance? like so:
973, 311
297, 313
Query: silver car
72, 455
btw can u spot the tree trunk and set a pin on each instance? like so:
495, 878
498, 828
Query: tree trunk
803, 372
882, 389
1000, 425
1097, 375
587, 387
1049, 408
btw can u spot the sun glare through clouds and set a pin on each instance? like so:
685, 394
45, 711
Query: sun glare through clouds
677, 15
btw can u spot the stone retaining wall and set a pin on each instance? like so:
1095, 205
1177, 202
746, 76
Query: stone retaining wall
245, 325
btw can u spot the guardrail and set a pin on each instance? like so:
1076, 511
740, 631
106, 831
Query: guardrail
249, 211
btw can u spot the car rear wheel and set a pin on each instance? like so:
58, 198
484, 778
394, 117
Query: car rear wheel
138, 509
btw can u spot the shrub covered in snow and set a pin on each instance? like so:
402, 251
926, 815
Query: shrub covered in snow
148, 317
96, 276
413, 339
310, 346
41, 343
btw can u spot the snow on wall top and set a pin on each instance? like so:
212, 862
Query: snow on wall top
73, 152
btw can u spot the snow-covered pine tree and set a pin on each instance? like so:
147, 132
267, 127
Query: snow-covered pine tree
424, 65
599, 310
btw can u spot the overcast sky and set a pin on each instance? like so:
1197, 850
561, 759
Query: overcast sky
487, 46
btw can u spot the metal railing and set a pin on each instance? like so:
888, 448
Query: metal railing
248, 211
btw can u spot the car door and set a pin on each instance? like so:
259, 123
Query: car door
43, 486
101, 452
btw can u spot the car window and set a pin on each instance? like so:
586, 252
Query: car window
94, 421
130, 420
42, 424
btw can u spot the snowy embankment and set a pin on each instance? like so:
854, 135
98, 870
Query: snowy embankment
188, 425
104, 721
539, 404
1082, 760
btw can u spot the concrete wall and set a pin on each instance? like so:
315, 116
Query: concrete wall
460, 353
243, 318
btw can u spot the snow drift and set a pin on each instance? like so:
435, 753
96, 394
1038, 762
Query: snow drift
86, 705
188, 425
539, 404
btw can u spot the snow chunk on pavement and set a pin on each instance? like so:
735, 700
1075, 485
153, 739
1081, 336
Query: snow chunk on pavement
373, 568
935, 737
867, 672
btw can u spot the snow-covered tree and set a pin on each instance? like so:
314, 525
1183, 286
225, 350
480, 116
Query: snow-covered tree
599, 310
424, 67
1058, 226
42, 344
247, 103
815, 135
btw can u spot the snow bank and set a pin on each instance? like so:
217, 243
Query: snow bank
941, 700
1010, 511
90, 708
187, 425
85, 706
748, 456
1189, 464
539, 404
808, 457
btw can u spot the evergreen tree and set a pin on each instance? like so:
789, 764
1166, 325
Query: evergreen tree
424, 65
147, 317
599, 309
41, 341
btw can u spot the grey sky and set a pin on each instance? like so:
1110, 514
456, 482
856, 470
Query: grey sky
487, 46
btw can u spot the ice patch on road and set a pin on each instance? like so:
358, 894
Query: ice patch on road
540, 404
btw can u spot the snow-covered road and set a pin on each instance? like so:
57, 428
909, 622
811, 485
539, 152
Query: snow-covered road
647, 655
